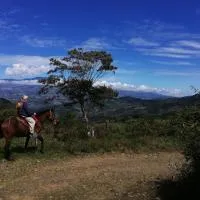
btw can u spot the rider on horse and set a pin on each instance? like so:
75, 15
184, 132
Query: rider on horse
23, 111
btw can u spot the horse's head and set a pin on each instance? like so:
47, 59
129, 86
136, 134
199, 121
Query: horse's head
47, 114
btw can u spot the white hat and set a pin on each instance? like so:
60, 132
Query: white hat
24, 97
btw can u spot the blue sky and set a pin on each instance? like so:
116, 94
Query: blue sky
155, 44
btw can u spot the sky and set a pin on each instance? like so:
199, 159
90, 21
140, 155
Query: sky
155, 44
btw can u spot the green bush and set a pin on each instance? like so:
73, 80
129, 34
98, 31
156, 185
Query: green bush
133, 134
186, 185
6, 113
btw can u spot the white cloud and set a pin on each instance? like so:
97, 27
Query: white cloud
21, 66
126, 71
188, 43
43, 42
173, 52
143, 88
8, 26
8, 29
23, 70
176, 73
9, 12
142, 42
24, 82
168, 55
148, 26
124, 63
33, 60
156, 31
173, 63
156, 38
95, 43
13, 11
177, 50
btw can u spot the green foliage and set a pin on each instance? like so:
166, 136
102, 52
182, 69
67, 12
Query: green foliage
191, 126
135, 134
186, 184
7, 109
6, 113
142, 133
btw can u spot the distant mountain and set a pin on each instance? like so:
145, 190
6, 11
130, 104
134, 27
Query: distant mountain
13, 88
123, 107
14, 91
4, 103
129, 107
24, 79
142, 94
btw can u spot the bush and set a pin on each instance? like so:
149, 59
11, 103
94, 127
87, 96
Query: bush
187, 184
6, 113
133, 134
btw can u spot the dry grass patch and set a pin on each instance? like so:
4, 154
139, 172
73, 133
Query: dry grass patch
107, 176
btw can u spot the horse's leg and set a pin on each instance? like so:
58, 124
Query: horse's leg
39, 137
36, 143
26, 143
7, 150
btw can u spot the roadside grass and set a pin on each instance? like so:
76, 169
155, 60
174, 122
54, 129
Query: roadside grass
71, 138
55, 149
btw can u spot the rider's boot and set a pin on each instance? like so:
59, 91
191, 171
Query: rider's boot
33, 135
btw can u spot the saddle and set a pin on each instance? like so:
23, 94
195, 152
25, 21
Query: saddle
24, 122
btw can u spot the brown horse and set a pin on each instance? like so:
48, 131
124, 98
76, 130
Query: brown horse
16, 126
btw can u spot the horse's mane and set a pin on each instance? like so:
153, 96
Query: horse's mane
44, 111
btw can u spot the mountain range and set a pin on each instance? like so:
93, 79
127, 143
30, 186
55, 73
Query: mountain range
124, 107
13, 88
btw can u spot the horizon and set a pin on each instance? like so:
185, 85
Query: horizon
156, 45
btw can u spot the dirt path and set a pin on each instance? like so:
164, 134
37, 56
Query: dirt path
96, 177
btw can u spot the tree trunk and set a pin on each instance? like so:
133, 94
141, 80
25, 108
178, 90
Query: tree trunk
84, 114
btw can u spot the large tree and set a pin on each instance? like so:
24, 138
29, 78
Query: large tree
77, 75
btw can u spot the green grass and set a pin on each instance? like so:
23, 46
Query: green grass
70, 137
58, 149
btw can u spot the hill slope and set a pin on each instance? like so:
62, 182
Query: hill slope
126, 107
4, 103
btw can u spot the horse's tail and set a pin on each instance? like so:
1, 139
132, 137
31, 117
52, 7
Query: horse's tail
4, 124
1, 134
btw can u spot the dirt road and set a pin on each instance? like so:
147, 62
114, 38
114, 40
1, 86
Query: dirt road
92, 177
